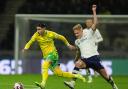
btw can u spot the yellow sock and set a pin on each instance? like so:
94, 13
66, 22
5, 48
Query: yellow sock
67, 74
59, 72
45, 67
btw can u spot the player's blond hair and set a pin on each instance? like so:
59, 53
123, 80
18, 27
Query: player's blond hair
77, 26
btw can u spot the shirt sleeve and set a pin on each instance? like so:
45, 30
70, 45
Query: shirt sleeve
90, 31
98, 37
60, 37
33, 38
53, 35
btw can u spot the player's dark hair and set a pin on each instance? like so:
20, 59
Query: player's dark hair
41, 25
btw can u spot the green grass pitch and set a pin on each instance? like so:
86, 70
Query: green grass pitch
54, 82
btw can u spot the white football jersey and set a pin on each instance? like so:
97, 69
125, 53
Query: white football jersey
87, 44
98, 37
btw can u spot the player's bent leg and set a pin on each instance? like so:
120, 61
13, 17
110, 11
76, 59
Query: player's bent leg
95, 74
45, 67
70, 84
79, 64
89, 76
103, 73
59, 72
109, 79
41, 85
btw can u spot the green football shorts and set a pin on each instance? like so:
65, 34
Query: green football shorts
53, 57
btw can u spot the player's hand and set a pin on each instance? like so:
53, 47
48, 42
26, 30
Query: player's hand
71, 47
93, 7
23, 50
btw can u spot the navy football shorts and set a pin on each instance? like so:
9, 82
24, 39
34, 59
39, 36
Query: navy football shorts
93, 62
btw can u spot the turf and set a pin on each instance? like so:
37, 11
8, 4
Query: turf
54, 82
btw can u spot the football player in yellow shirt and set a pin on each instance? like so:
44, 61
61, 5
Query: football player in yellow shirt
45, 39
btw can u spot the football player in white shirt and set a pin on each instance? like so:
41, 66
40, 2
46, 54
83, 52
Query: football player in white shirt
98, 38
87, 54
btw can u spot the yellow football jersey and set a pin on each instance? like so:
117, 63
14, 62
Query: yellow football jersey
46, 41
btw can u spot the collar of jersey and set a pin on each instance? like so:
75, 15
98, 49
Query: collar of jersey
43, 33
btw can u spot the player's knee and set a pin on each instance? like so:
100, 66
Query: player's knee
45, 64
79, 64
58, 73
45, 71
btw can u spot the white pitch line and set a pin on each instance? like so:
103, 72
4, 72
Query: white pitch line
26, 86
13, 84
32, 88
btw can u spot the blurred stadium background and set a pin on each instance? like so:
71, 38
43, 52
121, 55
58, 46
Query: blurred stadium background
17, 20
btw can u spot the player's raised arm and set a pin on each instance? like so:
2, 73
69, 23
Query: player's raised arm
94, 17
98, 36
27, 46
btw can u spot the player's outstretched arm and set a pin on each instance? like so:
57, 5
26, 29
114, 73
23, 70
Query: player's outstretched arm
27, 46
62, 38
23, 50
94, 17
